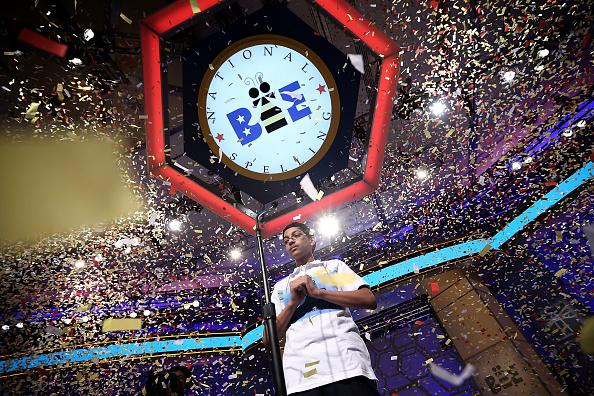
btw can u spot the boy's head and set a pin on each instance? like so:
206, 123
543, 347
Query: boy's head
299, 240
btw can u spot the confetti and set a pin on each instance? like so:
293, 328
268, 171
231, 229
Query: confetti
357, 62
308, 187
125, 18
38, 41
450, 378
121, 325
310, 373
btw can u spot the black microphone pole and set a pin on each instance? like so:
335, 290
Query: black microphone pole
269, 314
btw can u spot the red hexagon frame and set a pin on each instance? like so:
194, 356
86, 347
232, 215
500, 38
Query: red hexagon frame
181, 11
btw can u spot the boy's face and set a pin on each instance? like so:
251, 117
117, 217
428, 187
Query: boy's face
298, 243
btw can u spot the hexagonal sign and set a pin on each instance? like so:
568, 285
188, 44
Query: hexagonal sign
233, 108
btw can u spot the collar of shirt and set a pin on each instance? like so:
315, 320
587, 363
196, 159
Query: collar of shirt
305, 267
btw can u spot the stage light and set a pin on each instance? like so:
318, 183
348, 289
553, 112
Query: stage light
133, 314
328, 226
20, 325
235, 254
195, 303
516, 165
5, 327
438, 108
146, 312
422, 174
79, 264
509, 75
542, 53
175, 225
88, 34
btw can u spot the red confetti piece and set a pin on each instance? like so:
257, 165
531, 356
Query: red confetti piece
434, 288
36, 40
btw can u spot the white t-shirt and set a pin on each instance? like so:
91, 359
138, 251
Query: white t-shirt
323, 344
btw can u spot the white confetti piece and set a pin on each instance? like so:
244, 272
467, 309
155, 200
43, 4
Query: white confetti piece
445, 375
357, 62
308, 187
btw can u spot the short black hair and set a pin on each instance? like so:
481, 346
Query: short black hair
187, 372
303, 227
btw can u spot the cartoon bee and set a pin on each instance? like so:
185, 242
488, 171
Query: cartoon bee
270, 114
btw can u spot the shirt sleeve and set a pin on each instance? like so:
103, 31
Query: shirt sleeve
355, 282
276, 298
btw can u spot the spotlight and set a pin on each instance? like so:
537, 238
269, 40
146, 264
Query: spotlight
422, 174
235, 254
79, 264
175, 225
20, 325
542, 53
516, 165
438, 108
88, 34
5, 327
509, 75
146, 312
328, 226
195, 303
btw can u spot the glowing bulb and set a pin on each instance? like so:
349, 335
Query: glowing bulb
509, 75
5, 327
235, 254
422, 174
195, 303
20, 325
438, 108
175, 225
328, 226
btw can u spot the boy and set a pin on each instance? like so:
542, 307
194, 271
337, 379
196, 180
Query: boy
324, 354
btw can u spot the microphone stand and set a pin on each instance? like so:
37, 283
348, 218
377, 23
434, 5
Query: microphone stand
269, 314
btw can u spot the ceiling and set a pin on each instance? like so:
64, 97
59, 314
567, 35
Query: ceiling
456, 52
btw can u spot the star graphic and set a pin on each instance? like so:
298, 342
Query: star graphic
220, 137
240, 119
321, 88
246, 131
